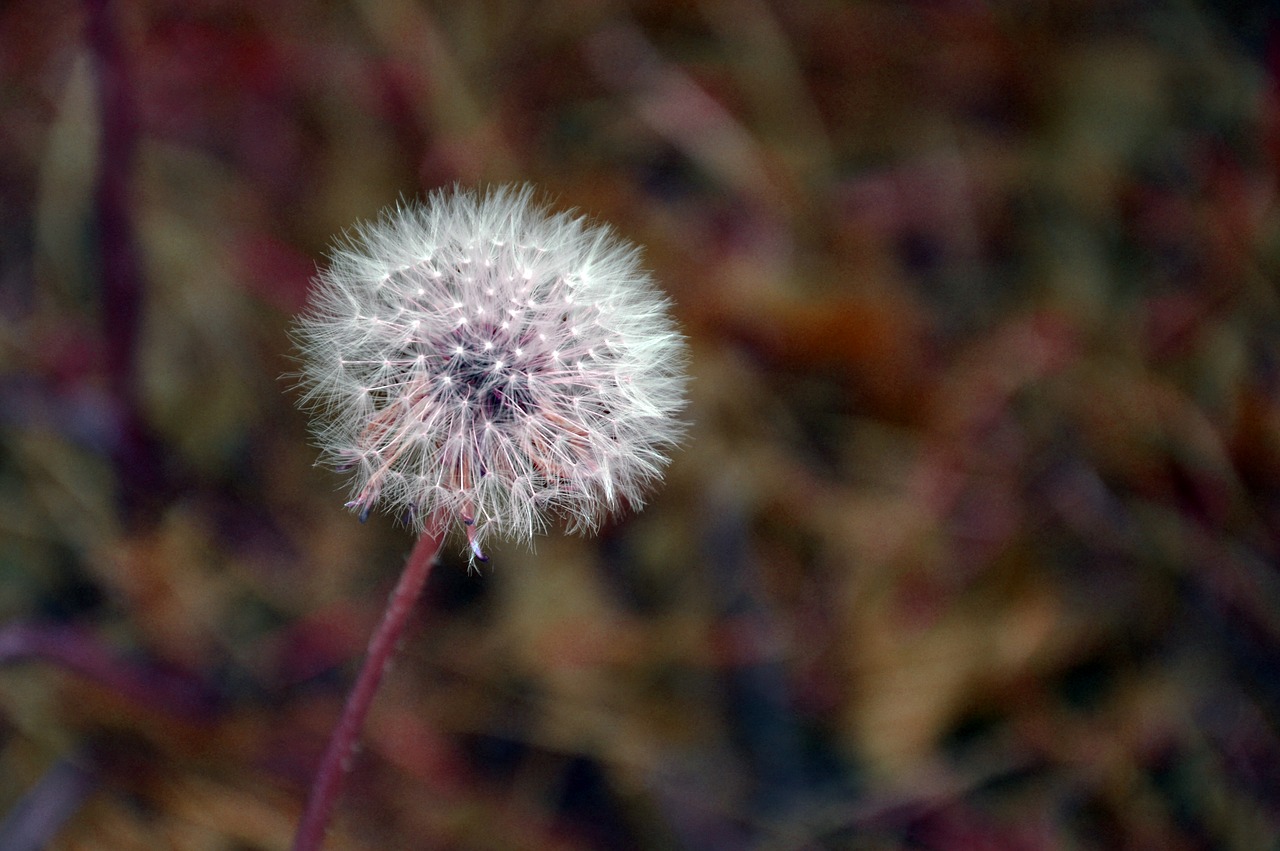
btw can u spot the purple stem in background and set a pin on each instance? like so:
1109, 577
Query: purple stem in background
121, 274
81, 653
137, 459
337, 758
37, 817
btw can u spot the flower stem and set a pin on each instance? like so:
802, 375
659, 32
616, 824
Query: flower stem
342, 743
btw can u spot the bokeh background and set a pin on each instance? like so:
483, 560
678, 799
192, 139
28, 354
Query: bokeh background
974, 540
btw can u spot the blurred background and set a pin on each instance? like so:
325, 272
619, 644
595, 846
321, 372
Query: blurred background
973, 543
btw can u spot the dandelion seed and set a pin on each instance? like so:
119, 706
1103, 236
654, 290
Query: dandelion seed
467, 413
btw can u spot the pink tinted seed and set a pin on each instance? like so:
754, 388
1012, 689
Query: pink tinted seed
427, 362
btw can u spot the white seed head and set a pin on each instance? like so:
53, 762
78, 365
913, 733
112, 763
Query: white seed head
478, 359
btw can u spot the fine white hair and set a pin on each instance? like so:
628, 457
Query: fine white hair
478, 360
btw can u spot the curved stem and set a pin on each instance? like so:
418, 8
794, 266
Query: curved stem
342, 743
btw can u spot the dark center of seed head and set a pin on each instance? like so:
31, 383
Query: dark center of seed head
499, 393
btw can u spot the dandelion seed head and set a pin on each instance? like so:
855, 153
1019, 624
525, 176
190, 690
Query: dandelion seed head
544, 381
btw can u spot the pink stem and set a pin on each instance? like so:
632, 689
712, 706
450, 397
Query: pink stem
337, 757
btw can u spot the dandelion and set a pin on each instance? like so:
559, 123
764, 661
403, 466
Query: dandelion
485, 362
480, 362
